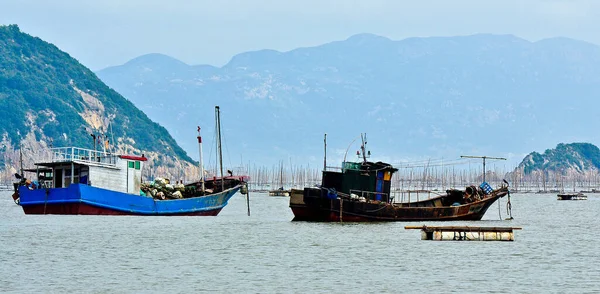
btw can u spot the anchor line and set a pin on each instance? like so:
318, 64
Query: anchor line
499, 213
46, 199
509, 206
341, 209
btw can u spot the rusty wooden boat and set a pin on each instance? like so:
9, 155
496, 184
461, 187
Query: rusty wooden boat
571, 196
360, 192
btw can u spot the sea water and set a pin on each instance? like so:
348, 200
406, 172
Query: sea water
556, 252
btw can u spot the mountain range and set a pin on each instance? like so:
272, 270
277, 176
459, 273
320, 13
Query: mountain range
48, 99
494, 95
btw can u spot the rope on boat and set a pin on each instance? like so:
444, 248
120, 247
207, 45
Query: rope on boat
378, 209
341, 209
46, 199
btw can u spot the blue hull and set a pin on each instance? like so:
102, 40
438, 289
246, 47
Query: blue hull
84, 199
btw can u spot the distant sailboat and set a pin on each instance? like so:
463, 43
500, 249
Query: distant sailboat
280, 191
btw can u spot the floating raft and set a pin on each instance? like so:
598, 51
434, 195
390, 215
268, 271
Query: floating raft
465, 233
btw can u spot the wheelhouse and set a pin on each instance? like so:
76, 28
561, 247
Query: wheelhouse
71, 165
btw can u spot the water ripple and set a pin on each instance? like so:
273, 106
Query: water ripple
556, 252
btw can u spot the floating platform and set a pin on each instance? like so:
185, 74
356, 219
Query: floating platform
572, 196
465, 233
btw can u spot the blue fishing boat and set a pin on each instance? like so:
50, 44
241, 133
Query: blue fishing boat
73, 180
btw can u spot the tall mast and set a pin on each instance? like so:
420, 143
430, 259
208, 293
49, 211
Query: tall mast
21, 158
362, 146
281, 174
325, 158
201, 160
484, 158
218, 118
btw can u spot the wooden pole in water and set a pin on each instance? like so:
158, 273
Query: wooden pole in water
248, 197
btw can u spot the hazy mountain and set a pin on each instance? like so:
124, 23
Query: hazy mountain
495, 95
49, 98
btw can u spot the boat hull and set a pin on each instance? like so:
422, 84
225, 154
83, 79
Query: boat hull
87, 200
336, 210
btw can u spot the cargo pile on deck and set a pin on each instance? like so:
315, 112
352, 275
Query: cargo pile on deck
162, 189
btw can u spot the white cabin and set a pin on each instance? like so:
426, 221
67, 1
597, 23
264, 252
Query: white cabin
121, 173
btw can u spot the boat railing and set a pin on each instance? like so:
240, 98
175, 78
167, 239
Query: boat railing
330, 168
370, 195
405, 195
84, 156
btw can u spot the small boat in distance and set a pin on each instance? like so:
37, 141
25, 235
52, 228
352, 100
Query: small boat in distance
81, 181
571, 196
360, 192
280, 191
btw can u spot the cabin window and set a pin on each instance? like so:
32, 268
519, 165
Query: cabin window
130, 164
387, 176
137, 165
67, 177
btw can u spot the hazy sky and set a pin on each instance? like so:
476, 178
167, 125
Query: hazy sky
110, 32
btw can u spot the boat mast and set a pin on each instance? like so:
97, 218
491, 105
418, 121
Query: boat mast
281, 174
218, 118
201, 160
325, 158
21, 158
484, 158
362, 146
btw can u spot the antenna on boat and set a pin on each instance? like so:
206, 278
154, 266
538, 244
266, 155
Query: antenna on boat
21, 158
345, 154
325, 158
92, 134
484, 158
201, 160
365, 154
112, 135
218, 119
